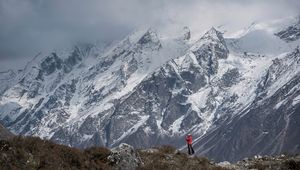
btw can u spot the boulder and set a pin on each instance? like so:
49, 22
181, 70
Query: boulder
124, 157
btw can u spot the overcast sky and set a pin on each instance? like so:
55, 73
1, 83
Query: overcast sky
30, 26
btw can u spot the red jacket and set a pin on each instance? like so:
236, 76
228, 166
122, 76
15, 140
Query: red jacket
189, 139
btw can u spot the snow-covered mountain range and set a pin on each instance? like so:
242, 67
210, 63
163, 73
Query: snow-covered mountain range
238, 96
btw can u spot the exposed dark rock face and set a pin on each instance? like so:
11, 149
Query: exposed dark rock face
150, 40
186, 33
51, 63
208, 53
230, 78
292, 33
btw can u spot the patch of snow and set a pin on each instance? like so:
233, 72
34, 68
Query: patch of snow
278, 105
293, 70
251, 71
198, 99
175, 127
86, 137
8, 109
148, 130
134, 128
296, 100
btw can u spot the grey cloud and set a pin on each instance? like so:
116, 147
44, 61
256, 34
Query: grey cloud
30, 26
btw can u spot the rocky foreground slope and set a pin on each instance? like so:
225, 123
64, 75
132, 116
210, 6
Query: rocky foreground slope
4, 133
34, 153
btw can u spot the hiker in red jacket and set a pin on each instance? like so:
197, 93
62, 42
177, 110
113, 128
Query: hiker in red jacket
189, 141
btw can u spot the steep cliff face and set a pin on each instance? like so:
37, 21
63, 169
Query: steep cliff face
149, 89
269, 124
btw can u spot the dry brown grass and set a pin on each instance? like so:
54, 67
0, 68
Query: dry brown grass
34, 153
168, 158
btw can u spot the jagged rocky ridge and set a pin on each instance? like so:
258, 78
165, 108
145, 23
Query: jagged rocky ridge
291, 33
147, 90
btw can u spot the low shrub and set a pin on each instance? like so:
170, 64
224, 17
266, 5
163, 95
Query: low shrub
34, 153
167, 149
291, 164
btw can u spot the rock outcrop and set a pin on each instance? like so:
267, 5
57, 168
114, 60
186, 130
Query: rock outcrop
124, 157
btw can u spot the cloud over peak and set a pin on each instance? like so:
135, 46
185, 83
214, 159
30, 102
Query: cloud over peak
30, 26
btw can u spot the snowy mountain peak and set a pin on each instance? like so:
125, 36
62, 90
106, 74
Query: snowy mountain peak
291, 33
150, 39
213, 34
270, 38
186, 33
211, 46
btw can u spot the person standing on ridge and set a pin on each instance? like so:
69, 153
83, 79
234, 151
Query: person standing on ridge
189, 141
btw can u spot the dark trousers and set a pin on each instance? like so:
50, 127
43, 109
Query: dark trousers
190, 149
